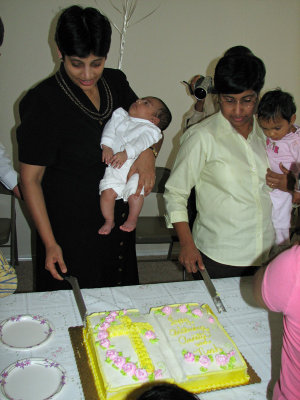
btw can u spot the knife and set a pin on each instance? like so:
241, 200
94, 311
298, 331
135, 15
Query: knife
73, 281
212, 290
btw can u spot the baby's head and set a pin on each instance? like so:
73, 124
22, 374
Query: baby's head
276, 114
152, 109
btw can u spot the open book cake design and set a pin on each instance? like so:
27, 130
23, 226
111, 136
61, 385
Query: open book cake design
180, 343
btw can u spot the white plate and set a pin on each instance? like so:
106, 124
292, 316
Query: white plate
32, 379
25, 331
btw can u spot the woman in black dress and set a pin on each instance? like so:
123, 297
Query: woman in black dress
62, 120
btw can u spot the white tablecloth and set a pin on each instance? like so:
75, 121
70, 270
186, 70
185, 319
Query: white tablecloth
256, 332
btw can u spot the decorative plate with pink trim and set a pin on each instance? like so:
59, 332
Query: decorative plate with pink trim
25, 331
32, 379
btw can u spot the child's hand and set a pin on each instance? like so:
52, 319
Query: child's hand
118, 159
107, 154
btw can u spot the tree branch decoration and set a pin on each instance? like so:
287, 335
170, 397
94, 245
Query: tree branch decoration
126, 10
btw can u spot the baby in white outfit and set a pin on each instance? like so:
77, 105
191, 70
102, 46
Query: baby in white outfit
124, 137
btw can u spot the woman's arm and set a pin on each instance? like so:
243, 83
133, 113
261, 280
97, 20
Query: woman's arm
189, 255
257, 284
31, 178
285, 181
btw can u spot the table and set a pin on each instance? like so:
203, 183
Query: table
256, 332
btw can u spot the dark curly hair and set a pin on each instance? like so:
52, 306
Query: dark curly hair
167, 391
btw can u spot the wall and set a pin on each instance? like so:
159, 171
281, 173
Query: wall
179, 40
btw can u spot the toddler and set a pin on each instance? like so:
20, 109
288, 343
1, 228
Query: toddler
125, 136
276, 116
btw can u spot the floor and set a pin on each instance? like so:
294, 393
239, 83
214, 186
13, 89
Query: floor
149, 272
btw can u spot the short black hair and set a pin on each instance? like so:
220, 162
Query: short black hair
276, 104
163, 114
82, 31
238, 73
167, 391
238, 51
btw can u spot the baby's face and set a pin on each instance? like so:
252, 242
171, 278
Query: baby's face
276, 129
145, 108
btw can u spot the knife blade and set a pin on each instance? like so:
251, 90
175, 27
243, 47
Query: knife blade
73, 281
212, 290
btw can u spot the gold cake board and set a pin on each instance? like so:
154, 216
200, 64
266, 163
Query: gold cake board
85, 373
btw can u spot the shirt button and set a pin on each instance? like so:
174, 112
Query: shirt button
121, 243
123, 215
119, 283
120, 269
120, 257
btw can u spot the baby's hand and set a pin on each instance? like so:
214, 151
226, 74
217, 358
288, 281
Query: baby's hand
118, 159
107, 154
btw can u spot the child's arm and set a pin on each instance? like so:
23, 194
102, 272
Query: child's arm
107, 154
118, 159
145, 137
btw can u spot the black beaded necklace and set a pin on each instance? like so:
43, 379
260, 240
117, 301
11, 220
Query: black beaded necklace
92, 114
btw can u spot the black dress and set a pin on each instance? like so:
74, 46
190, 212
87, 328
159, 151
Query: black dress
57, 133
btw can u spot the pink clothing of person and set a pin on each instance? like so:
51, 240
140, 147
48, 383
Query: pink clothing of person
281, 293
287, 152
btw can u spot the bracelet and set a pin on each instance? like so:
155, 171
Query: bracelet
154, 151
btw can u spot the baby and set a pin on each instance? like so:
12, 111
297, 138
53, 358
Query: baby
124, 137
276, 116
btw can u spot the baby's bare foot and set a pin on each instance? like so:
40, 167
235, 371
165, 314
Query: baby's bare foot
106, 228
128, 226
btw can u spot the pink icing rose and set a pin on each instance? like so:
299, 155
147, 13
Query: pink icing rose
167, 310
210, 319
104, 326
111, 354
222, 359
197, 312
129, 368
189, 357
158, 373
105, 343
204, 361
102, 335
150, 335
141, 374
113, 313
183, 308
231, 353
110, 318
120, 362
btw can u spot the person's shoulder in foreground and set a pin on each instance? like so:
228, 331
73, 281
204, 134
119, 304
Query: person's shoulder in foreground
166, 391
277, 287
